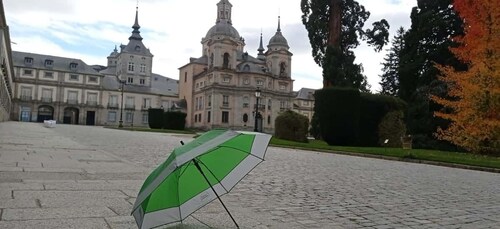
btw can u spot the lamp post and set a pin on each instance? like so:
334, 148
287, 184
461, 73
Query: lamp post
257, 96
120, 125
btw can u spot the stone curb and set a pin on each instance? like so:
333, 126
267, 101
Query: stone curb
418, 161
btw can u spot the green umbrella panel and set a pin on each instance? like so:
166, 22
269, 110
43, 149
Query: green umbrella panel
176, 189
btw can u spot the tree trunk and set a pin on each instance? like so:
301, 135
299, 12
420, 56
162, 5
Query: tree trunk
334, 30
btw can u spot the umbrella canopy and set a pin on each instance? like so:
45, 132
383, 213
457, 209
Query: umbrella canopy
195, 173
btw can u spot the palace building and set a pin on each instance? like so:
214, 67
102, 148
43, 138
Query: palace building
219, 86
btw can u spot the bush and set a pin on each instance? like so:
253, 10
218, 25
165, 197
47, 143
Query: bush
155, 118
292, 126
337, 110
373, 108
392, 127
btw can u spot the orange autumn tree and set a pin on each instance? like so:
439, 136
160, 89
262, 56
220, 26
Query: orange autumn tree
473, 105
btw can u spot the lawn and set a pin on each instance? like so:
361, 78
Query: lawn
398, 153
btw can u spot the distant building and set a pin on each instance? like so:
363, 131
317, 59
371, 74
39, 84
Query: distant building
304, 103
6, 69
70, 91
219, 87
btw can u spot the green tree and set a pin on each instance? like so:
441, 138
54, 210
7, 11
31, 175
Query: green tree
335, 28
390, 77
427, 42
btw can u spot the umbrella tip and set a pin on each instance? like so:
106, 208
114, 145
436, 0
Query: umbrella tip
182, 143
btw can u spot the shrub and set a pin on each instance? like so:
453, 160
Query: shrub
292, 126
373, 108
337, 110
392, 127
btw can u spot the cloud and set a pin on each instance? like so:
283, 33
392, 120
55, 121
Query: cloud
173, 29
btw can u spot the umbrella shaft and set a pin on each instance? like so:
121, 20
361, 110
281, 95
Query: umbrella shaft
223, 205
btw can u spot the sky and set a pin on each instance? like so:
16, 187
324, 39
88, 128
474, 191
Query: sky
173, 29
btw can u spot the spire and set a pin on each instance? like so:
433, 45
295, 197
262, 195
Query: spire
136, 33
115, 50
279, 27
261, 49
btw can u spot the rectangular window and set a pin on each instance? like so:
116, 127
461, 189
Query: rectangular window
92, 79
49, 75
48, 63
225, 100
112, 116
130, 80
199, 118
72, 97
130, 103
145, 118
74, 77
142, 81
143, 68
146, 103
282, 87
209, 101
305, 103
225, 117
226, 80
28, 72
129, 117
26, 93
72, 66
246, 81
28, 60
130, 66
208, 116
113, 101
46, 95
283, 105
92, 99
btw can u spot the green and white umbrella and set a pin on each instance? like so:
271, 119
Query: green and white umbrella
197, 173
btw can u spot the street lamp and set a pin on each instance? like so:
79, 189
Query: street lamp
257, 96
120, 125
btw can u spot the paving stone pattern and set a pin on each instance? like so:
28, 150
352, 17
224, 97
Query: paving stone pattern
88, 177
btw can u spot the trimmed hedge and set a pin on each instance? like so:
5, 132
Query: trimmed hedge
291, 126
155, 118
172, 120
347, 117
337, 110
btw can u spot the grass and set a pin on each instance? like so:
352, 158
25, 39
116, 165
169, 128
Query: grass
416, 154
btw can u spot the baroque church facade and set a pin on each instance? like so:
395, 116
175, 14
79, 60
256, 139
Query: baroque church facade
219, 87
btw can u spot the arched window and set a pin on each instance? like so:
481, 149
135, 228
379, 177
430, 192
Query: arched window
245, 118
226, 60
246, 68
269, 119
282, 68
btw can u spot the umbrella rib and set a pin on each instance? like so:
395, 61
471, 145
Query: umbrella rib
219, 182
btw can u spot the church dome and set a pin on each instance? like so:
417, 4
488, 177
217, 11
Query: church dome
279, 40
224, 29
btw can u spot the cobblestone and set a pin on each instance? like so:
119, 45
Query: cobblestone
88, 177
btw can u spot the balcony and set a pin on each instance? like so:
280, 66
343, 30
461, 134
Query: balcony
145, 107
26, 97
72, 101
113, 105
225, 104
92, 103
46, 99
245, 105
129, 107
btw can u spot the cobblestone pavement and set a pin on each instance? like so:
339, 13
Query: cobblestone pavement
88, 177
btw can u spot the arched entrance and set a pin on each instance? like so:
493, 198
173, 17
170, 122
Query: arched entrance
71, 115
45, 113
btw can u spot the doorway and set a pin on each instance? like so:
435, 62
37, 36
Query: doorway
90, 118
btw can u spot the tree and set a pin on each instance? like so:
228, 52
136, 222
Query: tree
334, 29
390, 77
434, 23
473, 102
